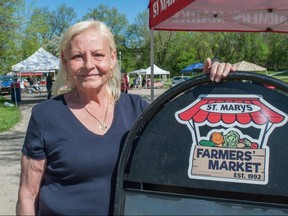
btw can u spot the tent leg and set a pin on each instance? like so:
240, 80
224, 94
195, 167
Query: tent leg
15, 95
152, 63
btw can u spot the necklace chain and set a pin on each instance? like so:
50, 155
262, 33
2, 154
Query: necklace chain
102, 125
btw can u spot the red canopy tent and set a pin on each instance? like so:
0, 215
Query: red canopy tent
217, 15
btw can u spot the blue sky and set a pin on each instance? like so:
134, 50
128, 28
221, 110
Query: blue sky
131, 8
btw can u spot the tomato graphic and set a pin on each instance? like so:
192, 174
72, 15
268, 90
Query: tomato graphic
254, 145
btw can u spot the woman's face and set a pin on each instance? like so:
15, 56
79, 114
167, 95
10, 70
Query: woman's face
90, 61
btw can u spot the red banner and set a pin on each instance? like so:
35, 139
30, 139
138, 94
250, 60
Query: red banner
160, 10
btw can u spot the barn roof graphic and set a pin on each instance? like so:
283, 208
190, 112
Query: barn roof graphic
262, 116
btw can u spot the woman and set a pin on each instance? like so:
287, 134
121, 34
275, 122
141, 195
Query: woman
73, 141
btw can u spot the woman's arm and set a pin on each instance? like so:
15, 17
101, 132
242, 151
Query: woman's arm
32, 173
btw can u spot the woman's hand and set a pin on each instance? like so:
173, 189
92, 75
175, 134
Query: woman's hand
217, 70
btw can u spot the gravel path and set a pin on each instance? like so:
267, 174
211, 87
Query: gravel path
10, 149
10, 153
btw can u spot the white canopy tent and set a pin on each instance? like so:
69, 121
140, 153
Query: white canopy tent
40, 61
147, 71
157, 71
139, 71
148, 74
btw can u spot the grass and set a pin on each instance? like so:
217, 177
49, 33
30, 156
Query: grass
9, 116
280, 76
283, 78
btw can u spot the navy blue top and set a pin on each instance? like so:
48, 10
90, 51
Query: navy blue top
80, 163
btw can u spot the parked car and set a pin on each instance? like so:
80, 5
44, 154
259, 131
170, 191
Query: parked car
5, 83
178, 79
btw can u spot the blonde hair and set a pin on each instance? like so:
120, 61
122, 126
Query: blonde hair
114, 82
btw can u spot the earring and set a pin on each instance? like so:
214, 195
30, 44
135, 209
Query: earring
67, 78
112, 75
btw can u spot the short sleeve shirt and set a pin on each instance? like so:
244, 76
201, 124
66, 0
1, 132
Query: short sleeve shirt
80, 164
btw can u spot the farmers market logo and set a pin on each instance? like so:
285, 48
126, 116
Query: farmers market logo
229, 137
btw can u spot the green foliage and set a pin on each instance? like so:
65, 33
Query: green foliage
116, 21
60, 20
8, 30
182, 52
137, 43
26, 28
266, 49
52, 45
45, 28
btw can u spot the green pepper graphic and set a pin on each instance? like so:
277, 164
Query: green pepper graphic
207, 143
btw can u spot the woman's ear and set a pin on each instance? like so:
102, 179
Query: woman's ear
114, 58
64, 60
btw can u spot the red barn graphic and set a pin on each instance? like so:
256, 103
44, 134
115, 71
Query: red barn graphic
227, 152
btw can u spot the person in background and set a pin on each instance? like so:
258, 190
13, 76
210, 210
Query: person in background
124, 83
28, 79
143, 82
148, 83
49, 84
135, 85
128, 78
139, 81
73, 141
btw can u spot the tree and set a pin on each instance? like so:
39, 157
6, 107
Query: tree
36, 31
201, 44
117, 22
277, 46
45, 28
137, 43
181, 53
8, 30
59, 22
61, 19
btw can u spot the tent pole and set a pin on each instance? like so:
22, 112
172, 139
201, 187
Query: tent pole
152, 62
